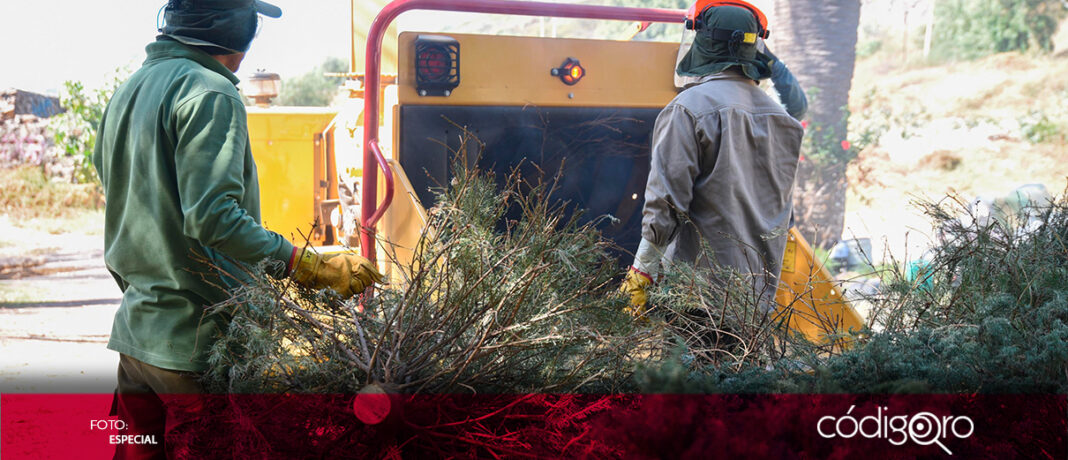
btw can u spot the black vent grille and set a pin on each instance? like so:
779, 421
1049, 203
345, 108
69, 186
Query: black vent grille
437, 65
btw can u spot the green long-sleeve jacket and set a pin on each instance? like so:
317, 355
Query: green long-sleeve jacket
182, 196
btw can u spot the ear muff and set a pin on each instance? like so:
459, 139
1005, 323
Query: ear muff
693, 15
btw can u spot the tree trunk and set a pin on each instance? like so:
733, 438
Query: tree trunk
817, 40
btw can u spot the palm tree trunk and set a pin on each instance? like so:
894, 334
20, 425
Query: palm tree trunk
817, 40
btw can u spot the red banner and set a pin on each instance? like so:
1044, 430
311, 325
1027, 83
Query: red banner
68, 426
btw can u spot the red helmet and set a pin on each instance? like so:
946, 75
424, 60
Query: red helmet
693, 15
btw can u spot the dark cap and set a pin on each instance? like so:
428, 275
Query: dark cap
267, 9
264, 8
223, 26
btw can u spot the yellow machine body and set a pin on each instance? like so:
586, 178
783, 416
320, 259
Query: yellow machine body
811, 297
496, 73
290, 161
501, 70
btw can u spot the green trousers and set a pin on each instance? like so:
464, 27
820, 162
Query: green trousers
159, 408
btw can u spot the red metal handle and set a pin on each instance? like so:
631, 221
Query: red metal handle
387, 172
369, 211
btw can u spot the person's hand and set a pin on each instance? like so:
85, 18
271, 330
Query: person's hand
790, 93
634, 286
763, 48
774, 63
346, 274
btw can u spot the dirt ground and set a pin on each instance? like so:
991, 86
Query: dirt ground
955, 129
57, 302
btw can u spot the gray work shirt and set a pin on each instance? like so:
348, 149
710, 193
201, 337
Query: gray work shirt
724, 158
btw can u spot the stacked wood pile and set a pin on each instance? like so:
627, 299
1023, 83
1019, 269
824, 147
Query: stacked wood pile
15, 102
24, 134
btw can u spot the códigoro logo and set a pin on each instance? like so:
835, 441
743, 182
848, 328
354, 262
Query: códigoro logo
923, 428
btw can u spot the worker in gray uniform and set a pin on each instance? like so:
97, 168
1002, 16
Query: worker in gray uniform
724, 157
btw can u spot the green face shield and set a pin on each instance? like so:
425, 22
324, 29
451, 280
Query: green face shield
712, 50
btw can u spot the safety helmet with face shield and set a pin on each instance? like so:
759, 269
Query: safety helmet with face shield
720, 34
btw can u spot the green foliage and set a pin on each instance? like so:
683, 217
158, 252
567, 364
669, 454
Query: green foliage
506, 293
313, 88
75, 130
969, 29
484, 306
1037, 127
718, 317
874, 119
868, 48
994, 319
825, 148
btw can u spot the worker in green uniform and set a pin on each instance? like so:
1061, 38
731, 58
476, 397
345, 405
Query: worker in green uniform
183, 210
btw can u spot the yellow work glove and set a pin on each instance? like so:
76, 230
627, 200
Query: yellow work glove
634, 286
346, 274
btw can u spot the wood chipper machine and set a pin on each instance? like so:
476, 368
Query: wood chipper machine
579, 110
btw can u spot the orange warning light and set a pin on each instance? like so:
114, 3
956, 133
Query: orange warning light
570, 72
